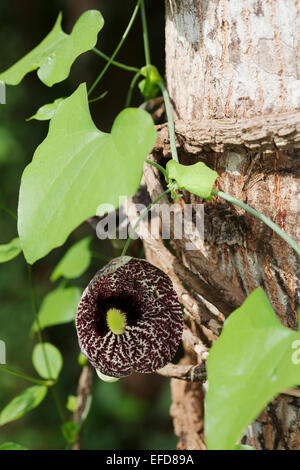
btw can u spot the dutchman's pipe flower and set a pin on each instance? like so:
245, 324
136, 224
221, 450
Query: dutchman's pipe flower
129, 319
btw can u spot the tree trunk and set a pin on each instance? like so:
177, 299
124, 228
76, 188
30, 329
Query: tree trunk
233, 74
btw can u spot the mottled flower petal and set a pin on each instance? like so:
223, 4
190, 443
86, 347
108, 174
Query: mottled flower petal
154, 322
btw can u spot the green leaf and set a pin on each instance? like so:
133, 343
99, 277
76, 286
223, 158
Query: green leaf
58, 307
47, 360
23, 403
197, 179
12, 446
75, 262
70, 430
10, 250
82, 361
254, 359
55, 55
72, 403
149, 86
76, 169
47, 111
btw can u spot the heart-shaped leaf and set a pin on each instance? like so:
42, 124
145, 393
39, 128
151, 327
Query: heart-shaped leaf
254, 359
55, 55
10, 250
23, 403
75, 262
47, 360
197, 179
77, 168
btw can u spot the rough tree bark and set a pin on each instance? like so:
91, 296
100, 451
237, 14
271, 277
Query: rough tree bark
233, 74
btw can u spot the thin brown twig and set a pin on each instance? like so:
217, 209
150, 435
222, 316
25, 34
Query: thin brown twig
190, 373
83, 392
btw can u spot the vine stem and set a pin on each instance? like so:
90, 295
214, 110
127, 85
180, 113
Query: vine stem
41, 341
160, 168
129, 68
170, 121
34, 305
8, 211
261, 217
141, 217
160, 84
227, 197
131, 88
124, 36
47, 383
100, 97
145, 33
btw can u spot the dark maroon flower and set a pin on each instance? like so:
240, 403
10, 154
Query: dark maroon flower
129, 318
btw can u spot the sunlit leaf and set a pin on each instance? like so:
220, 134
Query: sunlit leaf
197, 179
58, 307
254, 359
77, 168
47, 111
54, 56
10, 250
47, 360
23, 403
75, 262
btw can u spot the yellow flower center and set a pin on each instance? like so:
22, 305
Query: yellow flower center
116, 321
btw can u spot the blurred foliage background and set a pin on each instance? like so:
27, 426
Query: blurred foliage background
132, 413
